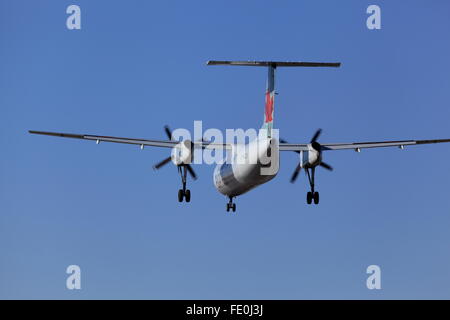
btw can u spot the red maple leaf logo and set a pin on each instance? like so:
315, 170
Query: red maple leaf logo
269, 107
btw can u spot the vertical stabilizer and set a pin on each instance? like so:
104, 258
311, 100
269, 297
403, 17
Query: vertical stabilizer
270, 101
270, 91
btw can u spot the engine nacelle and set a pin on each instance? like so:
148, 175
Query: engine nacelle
311, 158
182, 153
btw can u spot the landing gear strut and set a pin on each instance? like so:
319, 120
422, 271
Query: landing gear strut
183, 193
312, 195
231, 205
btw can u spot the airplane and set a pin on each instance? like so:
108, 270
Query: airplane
233, 178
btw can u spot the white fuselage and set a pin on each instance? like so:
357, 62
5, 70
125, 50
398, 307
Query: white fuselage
250, 166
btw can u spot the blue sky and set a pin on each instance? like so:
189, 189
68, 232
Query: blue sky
136, 66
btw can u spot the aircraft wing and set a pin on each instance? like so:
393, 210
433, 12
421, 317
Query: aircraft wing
359, 145
213, 145
139, 142
293, 147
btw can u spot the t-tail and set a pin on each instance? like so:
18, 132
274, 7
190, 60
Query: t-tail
270, 89
270, 101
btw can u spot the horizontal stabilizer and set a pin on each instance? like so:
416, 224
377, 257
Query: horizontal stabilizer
273, 63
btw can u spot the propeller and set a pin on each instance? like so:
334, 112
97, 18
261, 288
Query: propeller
316, 136
326, 166
316, 146
296, 172
165, 161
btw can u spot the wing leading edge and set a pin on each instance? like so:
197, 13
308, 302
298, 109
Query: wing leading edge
212, 145
360, 145
140, 142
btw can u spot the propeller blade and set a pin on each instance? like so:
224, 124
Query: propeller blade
191, 172
295, 174
168, 132
326, 166
162, 163
316, 146
316, 135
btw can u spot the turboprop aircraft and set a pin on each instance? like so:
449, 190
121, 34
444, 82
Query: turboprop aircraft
255, 163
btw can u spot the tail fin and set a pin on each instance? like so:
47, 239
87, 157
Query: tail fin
270, 91
270, 101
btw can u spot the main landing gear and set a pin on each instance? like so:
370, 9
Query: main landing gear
183, 193
231, 205
312, 195
183, 170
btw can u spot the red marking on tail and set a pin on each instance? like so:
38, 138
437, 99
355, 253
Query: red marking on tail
269, 107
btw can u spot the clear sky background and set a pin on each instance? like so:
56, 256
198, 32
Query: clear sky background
138, 65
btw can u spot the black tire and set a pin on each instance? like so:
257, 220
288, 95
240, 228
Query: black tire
309, 197
187, 195
228, 207
316, 198
234, 207
180, 195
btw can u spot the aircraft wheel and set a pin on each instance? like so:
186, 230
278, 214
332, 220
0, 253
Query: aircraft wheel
180, 195
187, 195
234, 207
309, 197
316, 198
228, 207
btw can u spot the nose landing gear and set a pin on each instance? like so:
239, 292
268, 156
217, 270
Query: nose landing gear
231, 205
